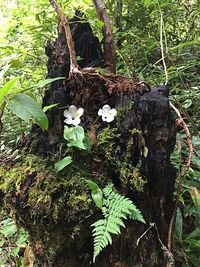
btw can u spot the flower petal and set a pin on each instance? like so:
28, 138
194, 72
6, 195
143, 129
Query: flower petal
79, 112
113, 112
76, 121
73, 110
110, 118
67, 114
68, 120
100, 112
106, 108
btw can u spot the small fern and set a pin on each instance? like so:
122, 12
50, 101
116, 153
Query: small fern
115, 208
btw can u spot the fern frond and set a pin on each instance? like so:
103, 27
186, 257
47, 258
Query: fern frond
115, 208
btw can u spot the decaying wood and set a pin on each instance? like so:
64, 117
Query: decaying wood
109, 46
70, 44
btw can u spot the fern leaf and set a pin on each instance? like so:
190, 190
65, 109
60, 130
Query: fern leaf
115, 208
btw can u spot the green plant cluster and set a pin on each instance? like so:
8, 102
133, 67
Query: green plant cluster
115, 209
12, 242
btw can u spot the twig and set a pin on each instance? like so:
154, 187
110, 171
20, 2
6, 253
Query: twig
189, 160
138, 240
1, 115
161, 47
163, 247
109, 47
64, 22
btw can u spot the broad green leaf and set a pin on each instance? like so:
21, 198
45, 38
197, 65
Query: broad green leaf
79, 133
49, 107
75, 136
60, 165
7, 87
92, 185
97, 196
78, 144
178, 230
26, 108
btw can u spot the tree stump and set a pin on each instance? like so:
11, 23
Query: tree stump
133, 152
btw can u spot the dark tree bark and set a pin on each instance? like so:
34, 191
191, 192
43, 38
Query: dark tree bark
50, 206
109, 46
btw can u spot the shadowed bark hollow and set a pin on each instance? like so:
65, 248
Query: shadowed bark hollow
136, 159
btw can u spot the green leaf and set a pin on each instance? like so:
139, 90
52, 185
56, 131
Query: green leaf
15, 251
43, 83
147, 2
9, 228
7, 87
78, 144
22, 238
97, 196
79, 133
26, 108
92, 185
187, 103
60, 165
76, 133
178, 230
193, 235
49, 107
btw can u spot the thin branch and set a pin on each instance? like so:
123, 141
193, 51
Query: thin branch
64, 22
163, 247
109, 46
1, 115
183, 172
161, 46
145, 232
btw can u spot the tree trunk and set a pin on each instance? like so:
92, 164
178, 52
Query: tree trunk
56, 209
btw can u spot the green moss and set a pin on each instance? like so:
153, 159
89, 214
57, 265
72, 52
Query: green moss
118, 150
131, 176
46, 201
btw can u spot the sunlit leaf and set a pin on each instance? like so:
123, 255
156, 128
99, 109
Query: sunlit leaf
49, 107
7, 87
28, 109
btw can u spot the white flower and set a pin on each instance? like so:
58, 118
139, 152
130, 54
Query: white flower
107, 113
73, 115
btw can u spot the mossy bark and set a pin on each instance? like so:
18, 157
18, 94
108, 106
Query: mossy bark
133, 152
